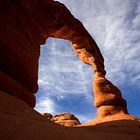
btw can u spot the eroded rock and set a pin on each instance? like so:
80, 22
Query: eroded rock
107, 97
18, 121
48, 116
25, 25
66, 119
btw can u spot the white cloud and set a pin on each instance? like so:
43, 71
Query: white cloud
136, 20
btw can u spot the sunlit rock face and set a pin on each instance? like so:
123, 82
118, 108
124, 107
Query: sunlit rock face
65, 119
108, 98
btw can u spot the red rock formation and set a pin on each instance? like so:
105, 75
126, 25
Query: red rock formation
65, 119
26, 25
18, 121
107, 98
48, 116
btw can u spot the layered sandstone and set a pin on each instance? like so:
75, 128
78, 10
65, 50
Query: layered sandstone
66, 119
107, 97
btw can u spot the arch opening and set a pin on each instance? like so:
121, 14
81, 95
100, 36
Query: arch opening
65, 83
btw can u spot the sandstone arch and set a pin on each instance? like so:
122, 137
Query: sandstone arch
26, 25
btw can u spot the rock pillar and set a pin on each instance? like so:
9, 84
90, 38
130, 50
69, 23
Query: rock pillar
107, 97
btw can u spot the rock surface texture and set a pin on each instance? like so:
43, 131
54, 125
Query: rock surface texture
24, 26
47, 116
18, 121
66, 119
107, 97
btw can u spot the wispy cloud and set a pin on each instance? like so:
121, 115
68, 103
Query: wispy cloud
64, 81
61, 70
46, 105
115, 25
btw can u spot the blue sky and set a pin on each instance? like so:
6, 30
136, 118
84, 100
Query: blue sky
65, 83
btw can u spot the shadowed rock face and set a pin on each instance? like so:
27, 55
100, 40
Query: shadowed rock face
48, 116
26, 25
18, 121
